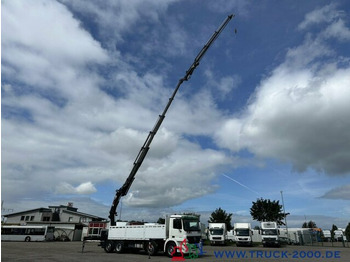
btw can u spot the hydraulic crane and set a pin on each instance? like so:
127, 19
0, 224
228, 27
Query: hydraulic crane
144, 149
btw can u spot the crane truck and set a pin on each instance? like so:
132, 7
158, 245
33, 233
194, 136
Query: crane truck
178, 229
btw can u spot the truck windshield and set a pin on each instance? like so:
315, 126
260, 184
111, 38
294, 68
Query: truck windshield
269, 232
191, 225
242, 232
217, 232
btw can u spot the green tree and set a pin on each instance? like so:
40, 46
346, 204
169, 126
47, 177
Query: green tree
266, 210
347, 232
334, 227
220, 216
310, 224
161, 220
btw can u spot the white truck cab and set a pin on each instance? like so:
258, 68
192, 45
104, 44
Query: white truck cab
243, 234
270, 234
217, 233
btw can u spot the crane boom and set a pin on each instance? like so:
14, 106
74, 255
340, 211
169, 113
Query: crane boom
144, 149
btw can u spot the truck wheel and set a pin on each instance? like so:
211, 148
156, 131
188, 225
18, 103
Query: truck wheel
152, 248
109, 247
170, 249
27, 239
119, 247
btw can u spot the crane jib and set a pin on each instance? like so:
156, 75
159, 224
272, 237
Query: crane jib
144, 149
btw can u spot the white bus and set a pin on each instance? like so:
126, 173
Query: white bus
27, 233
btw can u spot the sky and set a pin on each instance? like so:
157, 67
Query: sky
265, 114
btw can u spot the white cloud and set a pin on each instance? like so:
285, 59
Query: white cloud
82, 189
325, 14
37, 45
62, 129
299, 113
185, 174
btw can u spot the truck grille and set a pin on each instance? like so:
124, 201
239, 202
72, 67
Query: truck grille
193, 239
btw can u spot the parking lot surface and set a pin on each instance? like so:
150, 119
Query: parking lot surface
72, 251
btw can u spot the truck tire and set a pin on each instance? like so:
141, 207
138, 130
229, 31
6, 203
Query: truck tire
152, 248
119, 247
109, 247
27, 239
170, 248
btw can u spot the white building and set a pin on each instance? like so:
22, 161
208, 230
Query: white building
68, 222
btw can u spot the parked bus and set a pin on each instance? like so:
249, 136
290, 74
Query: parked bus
27, 233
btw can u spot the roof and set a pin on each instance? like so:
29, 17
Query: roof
41, 210
70, 210
83, 214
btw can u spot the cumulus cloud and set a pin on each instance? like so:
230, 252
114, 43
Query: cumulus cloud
82, 189
185, 174
325, 14
299, 113
63, 126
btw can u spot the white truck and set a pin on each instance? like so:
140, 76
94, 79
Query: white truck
243, 234
171, 237
270, 234
217, 233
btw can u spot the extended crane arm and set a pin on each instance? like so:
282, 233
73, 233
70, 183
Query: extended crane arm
144, 149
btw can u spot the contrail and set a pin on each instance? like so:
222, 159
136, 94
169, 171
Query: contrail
241, 184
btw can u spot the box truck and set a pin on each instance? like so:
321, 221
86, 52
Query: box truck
217, 233
270, 234
243, 234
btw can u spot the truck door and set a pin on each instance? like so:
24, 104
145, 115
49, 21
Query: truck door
176, 230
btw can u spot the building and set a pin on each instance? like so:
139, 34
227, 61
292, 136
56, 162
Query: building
68, 222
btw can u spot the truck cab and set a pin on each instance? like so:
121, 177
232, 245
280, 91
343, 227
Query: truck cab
217, 233
243, 234
182, 228
270, 234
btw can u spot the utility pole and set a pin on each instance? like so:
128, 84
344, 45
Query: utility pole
285, 216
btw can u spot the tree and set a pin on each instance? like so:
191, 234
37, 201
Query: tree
220, 216
310, 224
334, 227
347, 232
266, 210
161, 220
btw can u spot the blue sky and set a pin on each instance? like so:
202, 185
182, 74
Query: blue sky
83, 82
